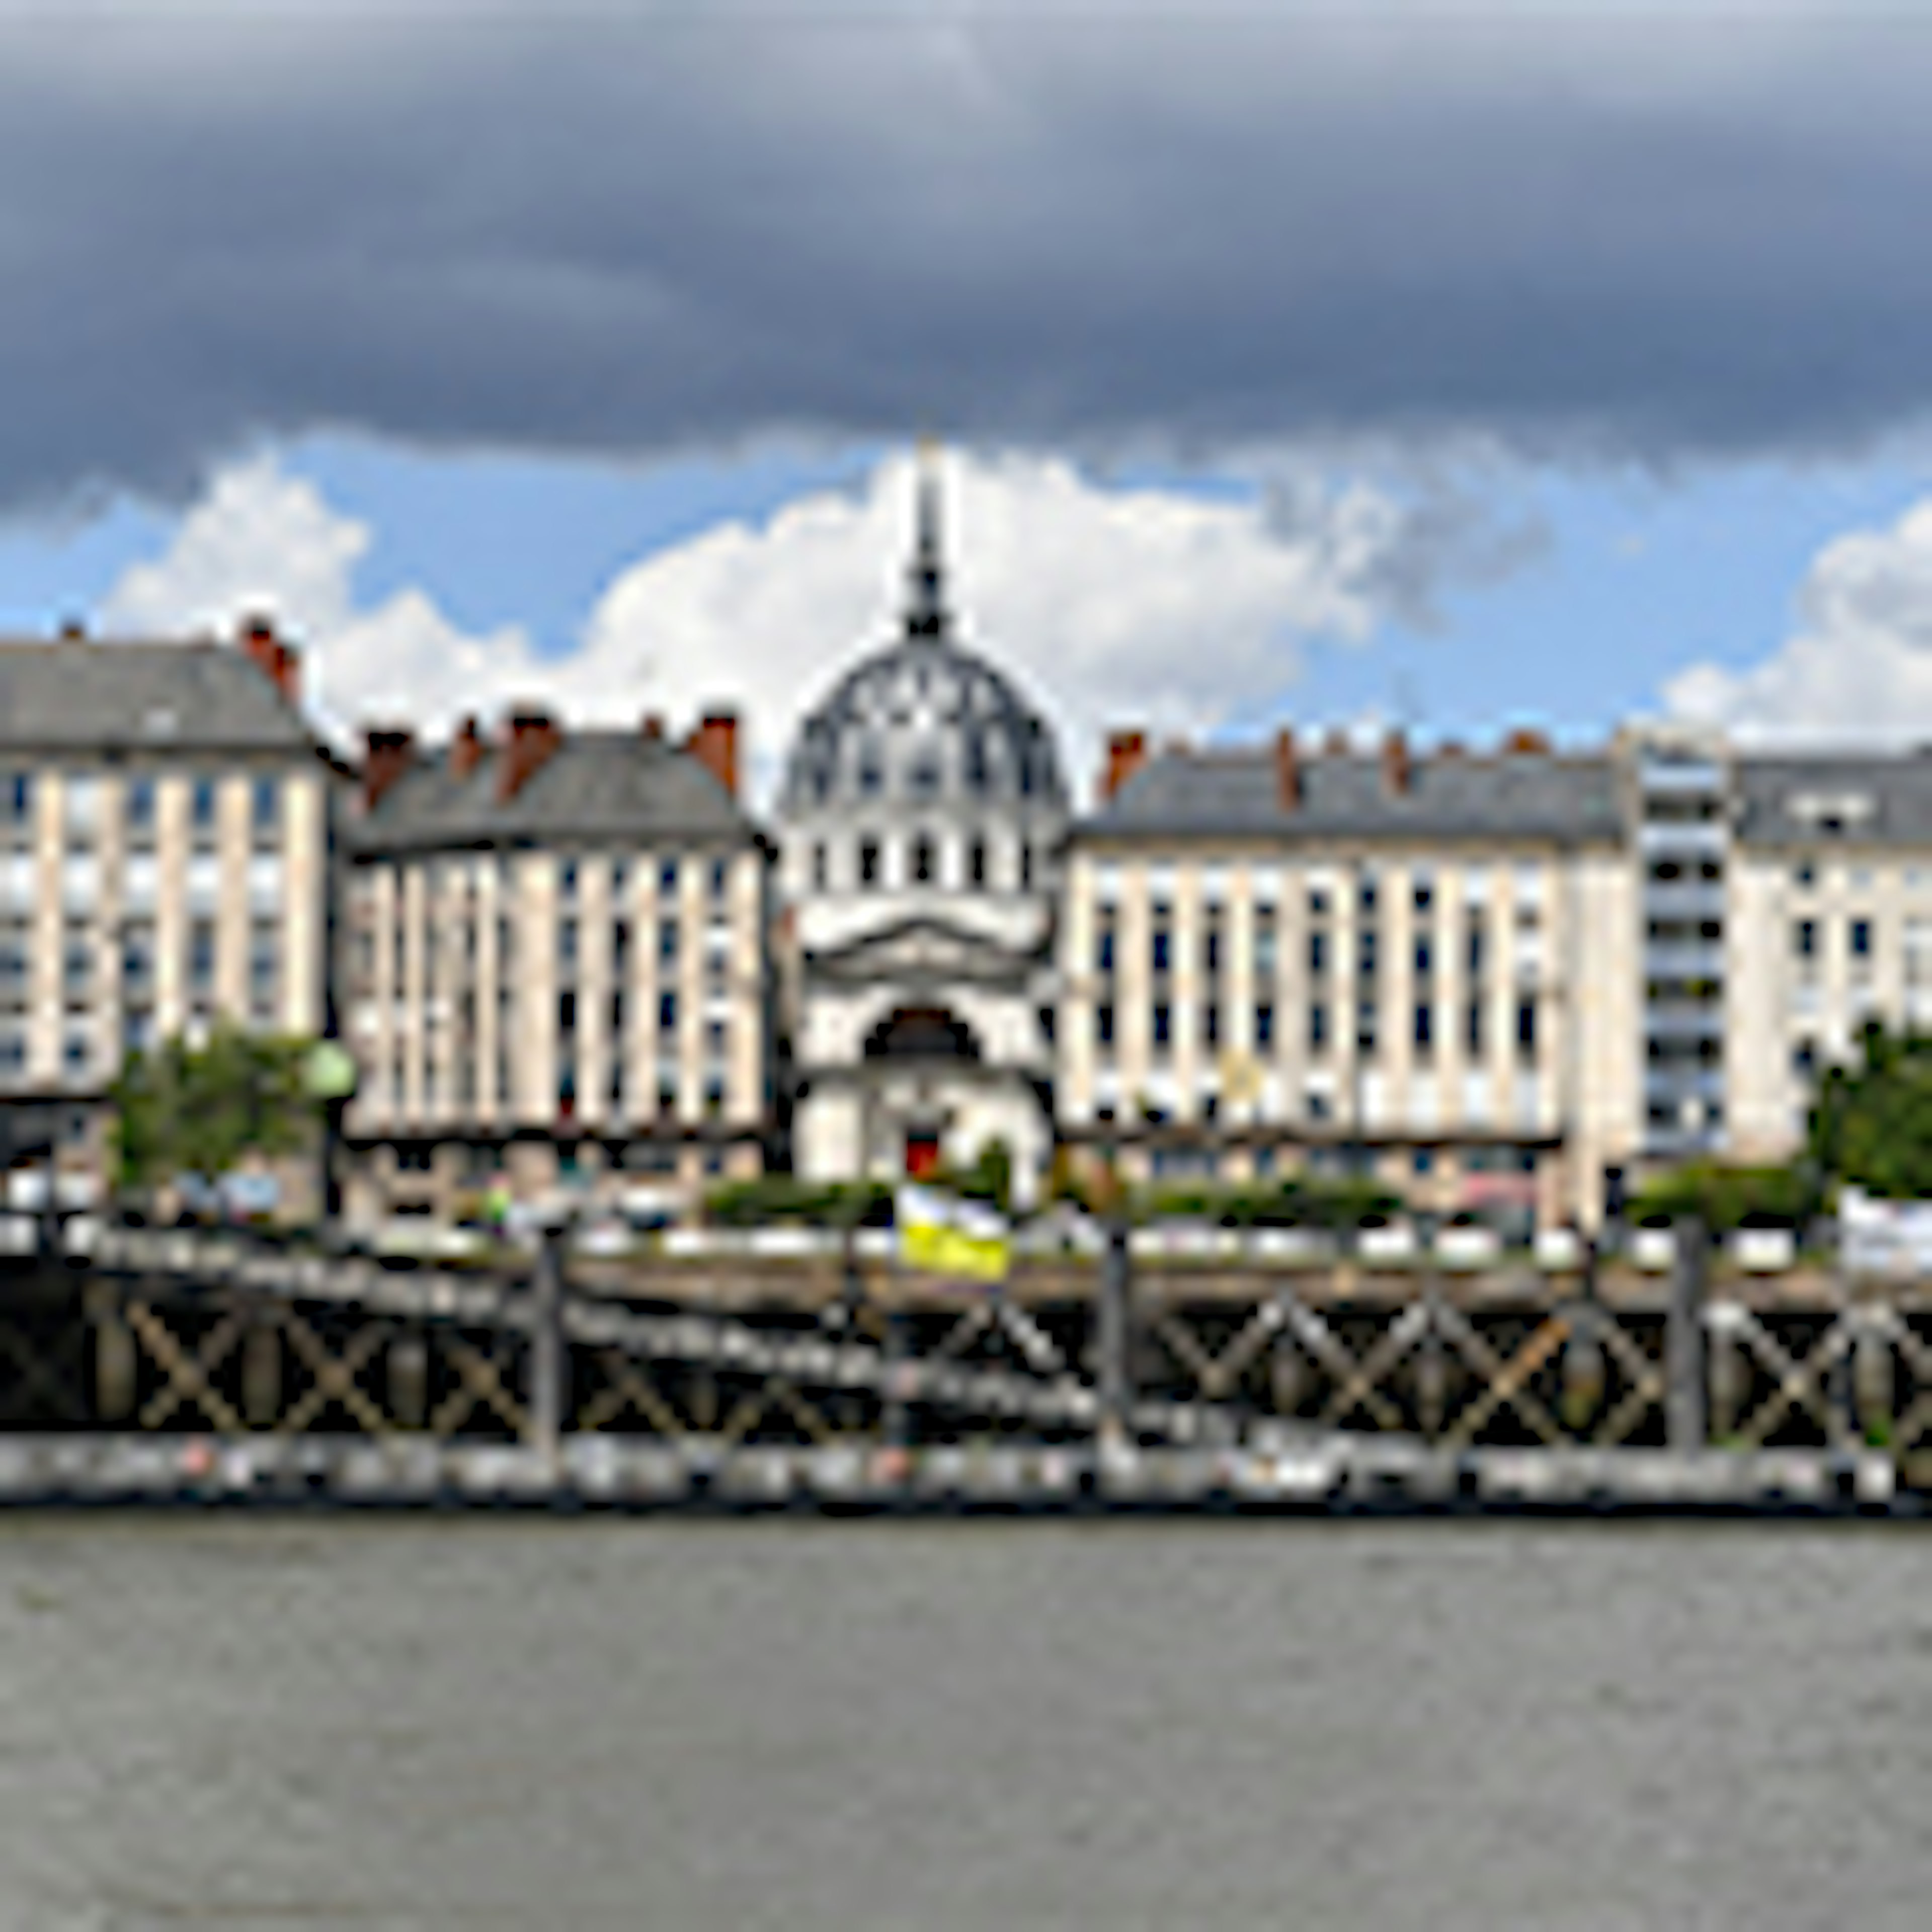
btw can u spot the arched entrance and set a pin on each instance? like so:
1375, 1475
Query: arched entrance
924, 1034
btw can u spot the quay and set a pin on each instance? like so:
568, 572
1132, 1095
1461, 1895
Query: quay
1337, 1475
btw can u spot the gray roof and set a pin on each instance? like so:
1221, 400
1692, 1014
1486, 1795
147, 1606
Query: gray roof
596, 788
78, 695
1344, 795
1875, 798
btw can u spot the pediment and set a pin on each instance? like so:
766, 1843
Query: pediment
922, 949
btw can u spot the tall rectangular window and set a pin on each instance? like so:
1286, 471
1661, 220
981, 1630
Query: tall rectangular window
1265, 945
1210, 1024
1103, 945
1318, 1026
202, 797
1160, 940
1526, 1031
869, 861
264, 812
667, 941
1264, 1026
138, 811
1862, 939
1162, 1026
1103, 1024
1425, 1030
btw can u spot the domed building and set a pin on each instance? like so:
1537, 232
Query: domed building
922, 818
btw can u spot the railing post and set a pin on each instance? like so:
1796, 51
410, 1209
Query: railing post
544, 1410
1110, 1338
1684, 1343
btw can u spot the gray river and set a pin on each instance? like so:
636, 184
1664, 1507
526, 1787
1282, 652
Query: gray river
317, 1722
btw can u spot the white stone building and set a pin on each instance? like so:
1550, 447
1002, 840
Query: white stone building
921, 824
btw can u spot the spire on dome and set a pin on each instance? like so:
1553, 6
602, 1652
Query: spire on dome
925, 603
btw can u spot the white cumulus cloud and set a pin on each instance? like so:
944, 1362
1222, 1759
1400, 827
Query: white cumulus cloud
1159, 607
262, 541
1859, 663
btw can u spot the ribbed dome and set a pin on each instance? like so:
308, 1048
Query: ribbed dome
922, 722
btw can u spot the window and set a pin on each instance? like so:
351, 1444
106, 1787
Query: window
1265, 1025
201, 958
1046, 1024
1318, 1027
714, 1038
668, 879
921, 861
16, 798
1861, 938
264, 965
1425, 956
1103, 1024
566, 942
1474, 947
1265, 945
1211, 948
869, 861
76, 965
1473, 1030
1026, 866
667, 941
1162, 1023
1526, 1031
566, 879
620, 878
821, 866
140, 810
1160, 940
81, 809
201, 810
1424, 895
1804, 938
1210, 1024
976, 866
1367, 1022
264, 810
1317, 951
1425, 1030
667, 1012
566, 1013
721, 878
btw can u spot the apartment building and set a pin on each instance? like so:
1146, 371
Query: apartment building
554, 967
1420, 969
164, 826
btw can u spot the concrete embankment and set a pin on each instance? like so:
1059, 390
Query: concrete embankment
1337, 1473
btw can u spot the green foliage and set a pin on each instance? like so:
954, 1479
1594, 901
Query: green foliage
1726, 1198
1296, 1201
783, 1198
1872, 1123
990, 1178
181, 1110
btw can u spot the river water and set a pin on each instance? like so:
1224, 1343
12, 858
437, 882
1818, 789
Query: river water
324, 1721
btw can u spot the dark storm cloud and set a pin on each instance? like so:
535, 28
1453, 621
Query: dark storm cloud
1651, 235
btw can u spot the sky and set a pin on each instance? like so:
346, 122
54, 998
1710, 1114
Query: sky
1452, 367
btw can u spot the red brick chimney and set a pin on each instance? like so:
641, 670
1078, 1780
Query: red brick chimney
714, 744
1525, 742
1126, 752
274, 657
1396, 768
465, 749
533, 737
653, 726
391, 753
1287, 770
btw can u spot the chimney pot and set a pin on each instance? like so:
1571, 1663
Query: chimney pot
1287, 770
392, 751
714, 744
533, 739
1396, 768
277, 660
1126, 752
465, 749
1525, 742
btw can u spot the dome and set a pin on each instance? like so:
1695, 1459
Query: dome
923, 722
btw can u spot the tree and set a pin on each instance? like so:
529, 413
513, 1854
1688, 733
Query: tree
1725, 1197
1872, 1122
181, 1109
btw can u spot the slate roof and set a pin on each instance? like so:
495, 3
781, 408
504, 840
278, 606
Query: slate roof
1898, 786
1573, 799
597, 786
83, 696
